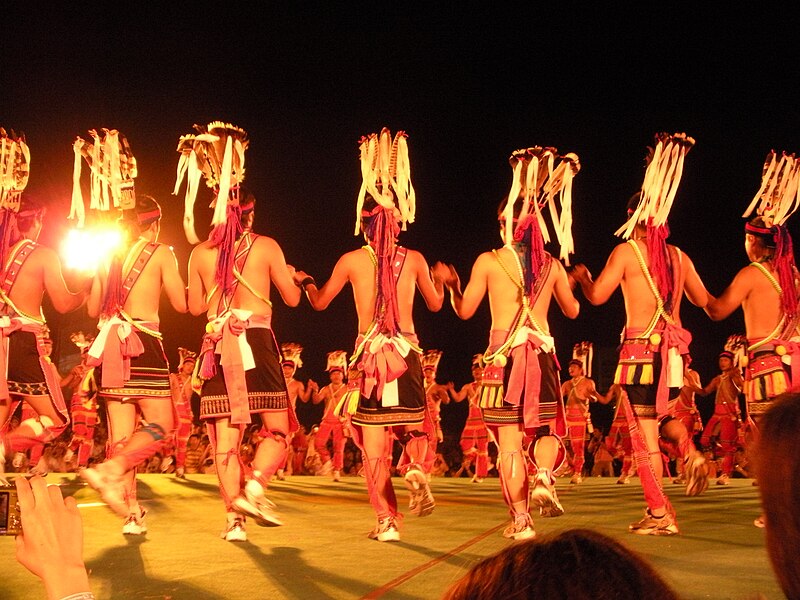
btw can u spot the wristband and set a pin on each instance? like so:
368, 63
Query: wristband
307, 281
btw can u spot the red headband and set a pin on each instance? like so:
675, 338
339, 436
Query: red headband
145, 218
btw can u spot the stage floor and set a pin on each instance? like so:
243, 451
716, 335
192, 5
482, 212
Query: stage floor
323, 551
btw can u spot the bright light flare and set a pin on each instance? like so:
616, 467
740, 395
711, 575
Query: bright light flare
84, 249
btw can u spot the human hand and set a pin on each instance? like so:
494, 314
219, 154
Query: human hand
298, 277
441, 272
580, 273
291, 270
51, 545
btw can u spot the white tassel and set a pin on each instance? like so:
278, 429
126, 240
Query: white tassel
77, 210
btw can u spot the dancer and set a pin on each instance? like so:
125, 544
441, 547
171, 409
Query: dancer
83, 402
725, 423
230, 276
767, 288
385, 379
332, 425
618, 440
27, 272
684, 409
181, 382
297, 390
520, 391
133, 372
435, 394
653, 276
475, 436
577, 393
767, 292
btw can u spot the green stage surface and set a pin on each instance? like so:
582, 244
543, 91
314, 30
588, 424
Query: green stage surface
323, 551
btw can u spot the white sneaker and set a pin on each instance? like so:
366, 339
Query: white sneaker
235, 531
135, 525
253, 503
385, 531
111, 487
521, 528
543, 495
421, 502
18, 459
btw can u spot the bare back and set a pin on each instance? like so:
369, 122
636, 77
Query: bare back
161, 272
623, 269
265, 264
41, 273
357, 268
503, 286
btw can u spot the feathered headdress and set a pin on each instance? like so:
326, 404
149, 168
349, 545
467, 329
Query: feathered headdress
113, 169
386, 178
583, 353
337, 360
215, 153
291, 354
542, 178
15, 159
430, 359
184, 355
661, 179
736, 344
776, 200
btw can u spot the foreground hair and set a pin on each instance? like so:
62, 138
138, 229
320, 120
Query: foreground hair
575, 564
778, 470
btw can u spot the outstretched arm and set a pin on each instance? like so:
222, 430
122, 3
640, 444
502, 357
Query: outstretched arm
197, 294
467, 302
320, 298
562, 292
63, 299
732, 298
693, 286
171, 279
282, 275
429, 283
598, 291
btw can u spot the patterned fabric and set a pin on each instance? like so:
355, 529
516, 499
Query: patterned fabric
149, 374
266, 386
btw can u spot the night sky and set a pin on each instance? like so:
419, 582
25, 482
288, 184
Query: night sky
467, 87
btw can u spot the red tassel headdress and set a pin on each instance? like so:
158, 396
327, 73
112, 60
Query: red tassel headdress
776, 200
15, 159
386, 180
661, 180
216, 154
542, 179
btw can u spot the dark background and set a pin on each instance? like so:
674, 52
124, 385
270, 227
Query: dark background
468, 85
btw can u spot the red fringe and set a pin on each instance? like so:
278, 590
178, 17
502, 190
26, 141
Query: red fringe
113, 295
660, 267
384, 233
528, 236
224, 237
785, 269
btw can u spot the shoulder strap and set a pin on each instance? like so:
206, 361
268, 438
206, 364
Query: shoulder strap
241, 254
134, 267
399, 260
660, 312
17, 257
